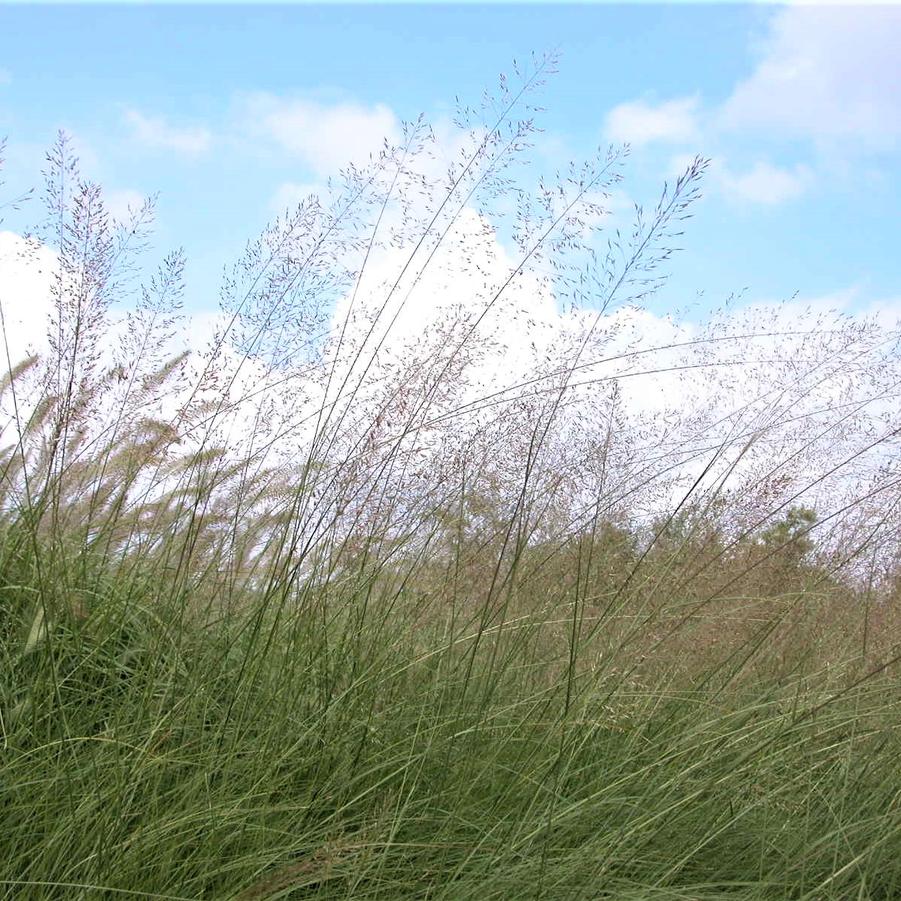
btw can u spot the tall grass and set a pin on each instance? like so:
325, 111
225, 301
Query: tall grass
320, 612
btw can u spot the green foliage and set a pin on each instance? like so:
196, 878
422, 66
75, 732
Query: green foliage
791, 534
335, 747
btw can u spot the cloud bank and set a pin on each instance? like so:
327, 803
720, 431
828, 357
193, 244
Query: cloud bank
157, 133
825, 73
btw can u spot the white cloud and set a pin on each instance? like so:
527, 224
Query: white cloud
156, 132
456, 285
27, 273
764, 183
828, 73
679, 164
775, 371
25, 276
639, 122
121, 204
684, 398
289, 194
324, 136
887, 311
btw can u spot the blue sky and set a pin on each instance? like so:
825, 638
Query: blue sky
225, 111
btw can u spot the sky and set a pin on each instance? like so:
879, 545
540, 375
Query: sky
232, 112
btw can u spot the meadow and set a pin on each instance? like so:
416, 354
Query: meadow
311, 612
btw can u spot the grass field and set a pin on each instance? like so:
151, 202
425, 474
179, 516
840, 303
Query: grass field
368, 740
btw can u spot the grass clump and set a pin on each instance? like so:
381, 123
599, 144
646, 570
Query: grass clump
312, 613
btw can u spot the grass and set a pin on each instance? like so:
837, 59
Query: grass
377, 636
324, 752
